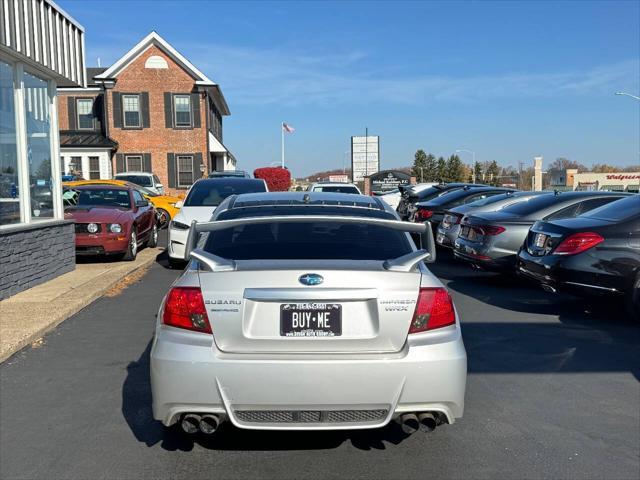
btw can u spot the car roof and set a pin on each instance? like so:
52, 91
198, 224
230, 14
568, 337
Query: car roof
329, 199
331, 184
102, 187
121, 174
226, 180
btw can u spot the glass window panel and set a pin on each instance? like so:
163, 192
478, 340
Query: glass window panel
134, 163
84, 107
182, 108
131, 109
9, 185
94, 168
36, 105
185, 171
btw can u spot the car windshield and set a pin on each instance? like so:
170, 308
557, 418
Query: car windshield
533, 205
142, 180
98, 197
309, 240
336, 189
617, 211
210, 193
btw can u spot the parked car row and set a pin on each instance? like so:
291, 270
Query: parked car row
580, 242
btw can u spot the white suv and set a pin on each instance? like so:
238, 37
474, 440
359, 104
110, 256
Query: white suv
334, 187
147, 180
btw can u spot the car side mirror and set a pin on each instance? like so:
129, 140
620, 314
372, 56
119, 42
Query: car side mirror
179, 204
159, 185
142, 203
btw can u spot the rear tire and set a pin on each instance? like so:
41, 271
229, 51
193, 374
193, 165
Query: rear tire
153, 237
132, 250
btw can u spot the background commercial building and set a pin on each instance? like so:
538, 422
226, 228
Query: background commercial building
151, 111
41, 47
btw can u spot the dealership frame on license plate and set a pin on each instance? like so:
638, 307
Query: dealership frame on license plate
311, 319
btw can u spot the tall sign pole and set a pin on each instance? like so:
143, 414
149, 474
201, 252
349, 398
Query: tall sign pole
366, 147
282, 135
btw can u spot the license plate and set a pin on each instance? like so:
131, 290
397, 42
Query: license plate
310, 320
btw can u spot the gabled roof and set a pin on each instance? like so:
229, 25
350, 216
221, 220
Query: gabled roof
155, 39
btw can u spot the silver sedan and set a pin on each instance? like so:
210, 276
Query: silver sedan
307, 311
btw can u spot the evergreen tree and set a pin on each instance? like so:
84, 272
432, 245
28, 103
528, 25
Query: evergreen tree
478, 171
419, 162
492, 173
454, 169
441, 170
430, 169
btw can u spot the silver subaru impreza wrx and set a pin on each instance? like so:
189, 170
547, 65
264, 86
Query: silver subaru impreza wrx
307, 311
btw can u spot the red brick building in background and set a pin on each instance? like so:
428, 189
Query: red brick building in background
151, 111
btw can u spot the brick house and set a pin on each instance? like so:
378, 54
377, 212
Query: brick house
151, 111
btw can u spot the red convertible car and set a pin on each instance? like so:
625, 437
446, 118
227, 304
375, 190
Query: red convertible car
110, 220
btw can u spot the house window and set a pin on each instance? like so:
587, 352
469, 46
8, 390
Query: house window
84, 107
134, 163
182, 110
94, 168
75, 166
185, 170
131, 111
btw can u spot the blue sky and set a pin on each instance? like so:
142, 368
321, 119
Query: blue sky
509, 80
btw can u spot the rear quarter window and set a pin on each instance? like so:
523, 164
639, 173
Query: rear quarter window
618, 210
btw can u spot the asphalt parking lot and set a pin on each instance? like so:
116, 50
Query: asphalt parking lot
553, 392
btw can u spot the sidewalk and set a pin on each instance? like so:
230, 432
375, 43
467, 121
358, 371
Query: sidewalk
28, 315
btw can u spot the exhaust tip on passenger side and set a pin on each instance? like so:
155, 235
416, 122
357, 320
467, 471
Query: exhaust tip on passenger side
409, 423
428, 422
190, 423
209, 424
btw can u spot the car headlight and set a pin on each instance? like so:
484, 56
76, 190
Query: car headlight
115, 228
179, 225
92, 228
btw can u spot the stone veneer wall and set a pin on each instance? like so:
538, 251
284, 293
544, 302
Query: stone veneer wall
32, 254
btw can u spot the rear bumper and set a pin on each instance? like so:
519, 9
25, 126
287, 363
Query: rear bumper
189, 374
484, 255
177, 242
570, 274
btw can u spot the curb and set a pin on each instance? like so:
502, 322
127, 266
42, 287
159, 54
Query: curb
60, 313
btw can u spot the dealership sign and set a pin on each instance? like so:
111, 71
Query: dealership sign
388, 180
365, 156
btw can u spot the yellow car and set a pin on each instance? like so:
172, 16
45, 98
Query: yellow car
165, 205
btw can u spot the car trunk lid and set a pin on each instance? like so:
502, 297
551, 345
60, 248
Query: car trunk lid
366, 309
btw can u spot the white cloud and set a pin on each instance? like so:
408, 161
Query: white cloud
284, 76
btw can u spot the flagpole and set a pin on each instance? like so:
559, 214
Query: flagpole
282, 134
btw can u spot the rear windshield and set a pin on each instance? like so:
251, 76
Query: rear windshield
142, 180
616, 211
489, 200
337, 189
210, 193
306, 241
535, 204
431, 193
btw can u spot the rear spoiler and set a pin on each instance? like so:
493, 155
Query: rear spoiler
404, 263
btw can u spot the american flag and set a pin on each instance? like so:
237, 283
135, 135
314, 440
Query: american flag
287, 128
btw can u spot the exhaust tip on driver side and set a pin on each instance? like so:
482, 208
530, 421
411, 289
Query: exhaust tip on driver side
428, 422
409, 423
209, 424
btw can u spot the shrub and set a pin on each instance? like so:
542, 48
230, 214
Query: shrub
278, 179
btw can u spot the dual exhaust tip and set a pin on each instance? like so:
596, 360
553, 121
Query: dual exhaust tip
412, 422
207, 424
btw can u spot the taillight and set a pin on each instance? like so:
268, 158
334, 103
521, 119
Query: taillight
184, 308
433, 310
423, 215
489, 229
578, 243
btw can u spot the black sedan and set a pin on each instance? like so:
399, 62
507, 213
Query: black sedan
409, 197
491, 240
595, 253
433, 210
